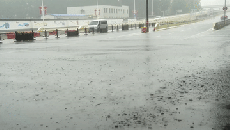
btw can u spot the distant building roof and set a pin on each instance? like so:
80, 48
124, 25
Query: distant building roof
69, 15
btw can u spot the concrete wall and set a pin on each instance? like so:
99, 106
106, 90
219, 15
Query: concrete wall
6, 26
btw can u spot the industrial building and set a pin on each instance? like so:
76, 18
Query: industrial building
101, 11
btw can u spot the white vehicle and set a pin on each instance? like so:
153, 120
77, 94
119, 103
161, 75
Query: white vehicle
98, 26
158, 17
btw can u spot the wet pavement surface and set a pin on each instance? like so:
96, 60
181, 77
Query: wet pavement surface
176, 79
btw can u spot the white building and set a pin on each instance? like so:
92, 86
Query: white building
66, 16
101, 11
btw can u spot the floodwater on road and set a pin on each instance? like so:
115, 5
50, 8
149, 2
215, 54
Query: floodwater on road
164, 80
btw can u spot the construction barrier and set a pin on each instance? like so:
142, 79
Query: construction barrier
24, 36
72, 33
125, 27
36, 34
144, 30
10, 35
53, 33
141, 25
221, 24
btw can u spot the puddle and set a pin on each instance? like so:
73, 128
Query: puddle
227, 127
228, 106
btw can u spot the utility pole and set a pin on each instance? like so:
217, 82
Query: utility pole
225, 12
152, 7
134, 12
97, 9
43, 13
147, 15
120, 1
163, 13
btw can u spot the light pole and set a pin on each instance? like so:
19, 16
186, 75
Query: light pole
120, 1
97, 9
225, 12
43, 13
134, 9
163, 13
147, 15
152, 7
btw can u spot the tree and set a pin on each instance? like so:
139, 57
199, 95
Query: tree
185, 5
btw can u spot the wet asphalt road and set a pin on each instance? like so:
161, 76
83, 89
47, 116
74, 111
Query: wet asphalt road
176, 79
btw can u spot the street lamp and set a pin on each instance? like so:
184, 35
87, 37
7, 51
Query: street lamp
97, 9
43, 13
225, 13
152, 7
120, 1
147, 15
163, 13
134, 12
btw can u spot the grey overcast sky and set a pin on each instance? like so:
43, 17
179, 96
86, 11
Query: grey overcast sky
24, 8
213, 2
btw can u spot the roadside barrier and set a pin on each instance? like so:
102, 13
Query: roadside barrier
10, 35
144, 30
52, 33
125, 27
36, 34
220, 25
24, 36
141, 25
72, 33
